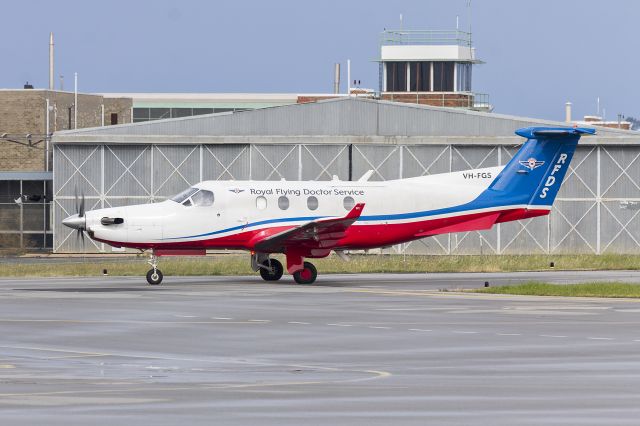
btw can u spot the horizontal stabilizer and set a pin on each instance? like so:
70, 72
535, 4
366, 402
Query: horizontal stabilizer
549, 132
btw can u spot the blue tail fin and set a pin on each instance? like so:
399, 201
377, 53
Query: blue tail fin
535, 173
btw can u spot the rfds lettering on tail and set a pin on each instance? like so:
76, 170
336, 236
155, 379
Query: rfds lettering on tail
308, 220
551, 180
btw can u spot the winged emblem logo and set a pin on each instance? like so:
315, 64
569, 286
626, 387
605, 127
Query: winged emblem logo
531, 163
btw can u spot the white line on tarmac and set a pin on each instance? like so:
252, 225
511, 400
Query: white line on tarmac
465, 332
509, 334
298, 322
259, 320
379, 327
551, 335
600, 338
418, 329
340, 325
221, 318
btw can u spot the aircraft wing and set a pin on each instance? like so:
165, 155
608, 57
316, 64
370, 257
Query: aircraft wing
320, 233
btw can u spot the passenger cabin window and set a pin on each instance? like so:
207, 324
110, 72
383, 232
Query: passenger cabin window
283, 203
312, 203
261, 203
202, 198
348, 203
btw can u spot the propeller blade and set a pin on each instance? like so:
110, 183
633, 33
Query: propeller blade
80, 237
75, 197
81, 212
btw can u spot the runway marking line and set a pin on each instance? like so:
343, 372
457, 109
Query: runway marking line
465, 332
600, 338
551, 335
418, 329
339, 325
508, 334
298, 322
379, 327
70, 321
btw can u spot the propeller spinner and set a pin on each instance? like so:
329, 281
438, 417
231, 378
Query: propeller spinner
77, 221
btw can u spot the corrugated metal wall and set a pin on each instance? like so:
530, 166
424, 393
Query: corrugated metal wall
596, 210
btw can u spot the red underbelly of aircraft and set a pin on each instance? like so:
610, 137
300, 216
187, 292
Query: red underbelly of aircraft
360, 236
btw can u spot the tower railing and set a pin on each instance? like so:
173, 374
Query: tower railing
425, 37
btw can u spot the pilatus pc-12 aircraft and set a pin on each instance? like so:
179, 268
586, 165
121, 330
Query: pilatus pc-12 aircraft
310, 219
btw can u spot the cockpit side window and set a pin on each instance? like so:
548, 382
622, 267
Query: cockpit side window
202, 198
184, 195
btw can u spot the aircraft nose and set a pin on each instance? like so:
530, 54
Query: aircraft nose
75, 222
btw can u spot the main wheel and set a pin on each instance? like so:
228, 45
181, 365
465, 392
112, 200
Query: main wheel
154, 277
307, 275
273, 272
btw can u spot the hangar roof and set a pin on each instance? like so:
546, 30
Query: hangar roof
341, 120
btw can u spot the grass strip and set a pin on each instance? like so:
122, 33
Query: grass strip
588, 289
233, 264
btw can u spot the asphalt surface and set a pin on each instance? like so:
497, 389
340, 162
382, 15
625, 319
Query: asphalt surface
352, 349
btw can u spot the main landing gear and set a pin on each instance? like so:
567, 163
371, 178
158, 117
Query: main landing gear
272, 269
154, 276
306, 275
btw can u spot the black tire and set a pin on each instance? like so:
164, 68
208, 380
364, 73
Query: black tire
274, 273
154, 278
307, 275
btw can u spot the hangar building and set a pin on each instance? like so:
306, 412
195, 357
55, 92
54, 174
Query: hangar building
596, 211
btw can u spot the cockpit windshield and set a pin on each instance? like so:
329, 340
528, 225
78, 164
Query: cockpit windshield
184, 195
194, 197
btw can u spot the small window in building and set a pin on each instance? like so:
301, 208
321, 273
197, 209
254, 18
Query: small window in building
261, 203
283, 203
114, 118
159, 113
312, 203
200, 111
187, 203
348, 203
202, 198
181, 112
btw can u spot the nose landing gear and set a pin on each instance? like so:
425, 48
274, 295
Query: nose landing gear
154, 276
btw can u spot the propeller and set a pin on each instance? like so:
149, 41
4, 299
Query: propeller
80, 213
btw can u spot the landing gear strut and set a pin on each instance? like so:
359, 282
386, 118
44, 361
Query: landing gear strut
306, 275
154, 276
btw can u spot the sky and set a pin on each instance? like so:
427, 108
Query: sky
539, 54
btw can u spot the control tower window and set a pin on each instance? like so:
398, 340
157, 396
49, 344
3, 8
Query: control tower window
464, 77
396, 76
443, 76
420, 76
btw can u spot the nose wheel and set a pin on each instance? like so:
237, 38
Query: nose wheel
154, 276
306, 275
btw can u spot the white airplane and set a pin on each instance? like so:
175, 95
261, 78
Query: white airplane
311, 219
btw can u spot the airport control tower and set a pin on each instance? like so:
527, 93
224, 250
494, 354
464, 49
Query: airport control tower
429, 68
